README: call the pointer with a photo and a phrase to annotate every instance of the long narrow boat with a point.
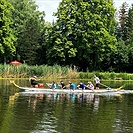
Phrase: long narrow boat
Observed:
(66, 90)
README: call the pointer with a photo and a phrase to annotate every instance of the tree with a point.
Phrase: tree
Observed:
(123, 15)
(7, 37)
(121, 59)
(28, 24)
(130, 25)
(83, 34)
(129, 40)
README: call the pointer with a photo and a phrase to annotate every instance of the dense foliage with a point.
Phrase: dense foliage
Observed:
(85, 34)
(7, 36)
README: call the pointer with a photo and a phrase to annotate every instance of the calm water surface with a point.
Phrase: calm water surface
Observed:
(23, 112)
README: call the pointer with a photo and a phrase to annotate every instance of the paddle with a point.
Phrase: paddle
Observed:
(119, 88)
(105, 86)
(49, 85)
(110, 88)
(41, 78)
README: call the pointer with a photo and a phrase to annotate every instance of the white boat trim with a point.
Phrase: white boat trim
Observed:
(66, 90)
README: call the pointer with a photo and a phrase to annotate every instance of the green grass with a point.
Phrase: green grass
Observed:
(56, 71)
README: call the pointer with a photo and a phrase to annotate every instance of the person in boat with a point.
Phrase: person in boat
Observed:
(97, 82)
(90, 86)
(62, 85)
(82, 86)
(72, 86)
(54, 85)
(33, 81)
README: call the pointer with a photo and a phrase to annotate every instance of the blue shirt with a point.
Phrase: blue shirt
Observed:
(72, 86)
(54, 86)
(82, 86)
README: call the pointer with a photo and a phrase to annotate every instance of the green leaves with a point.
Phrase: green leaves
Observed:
(7, 37)
(83, 35)
(28, 25)
(86, 32)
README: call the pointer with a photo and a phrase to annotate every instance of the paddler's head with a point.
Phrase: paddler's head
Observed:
(35, 77)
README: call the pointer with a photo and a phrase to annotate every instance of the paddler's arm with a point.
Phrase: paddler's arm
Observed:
(49, 85)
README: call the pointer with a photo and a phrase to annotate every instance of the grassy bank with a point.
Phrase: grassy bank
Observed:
(44, 71)
(51, 72)
(106, 75)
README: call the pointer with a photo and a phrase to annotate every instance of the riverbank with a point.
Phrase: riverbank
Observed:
(57, 72)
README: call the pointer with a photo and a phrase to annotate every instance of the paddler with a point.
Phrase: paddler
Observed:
(90, 86)
(72, 86)
(62, 85)
(54, 85)
(82, 86)
(97, 82)
(33, 81)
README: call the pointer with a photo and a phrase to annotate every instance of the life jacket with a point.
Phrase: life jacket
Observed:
(73, 86)
(54, 86)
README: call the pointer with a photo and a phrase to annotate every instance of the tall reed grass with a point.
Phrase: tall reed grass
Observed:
(42, 71)
(56, 71)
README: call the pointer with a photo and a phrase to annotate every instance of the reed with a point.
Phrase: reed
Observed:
(45, 71)
(57, 72)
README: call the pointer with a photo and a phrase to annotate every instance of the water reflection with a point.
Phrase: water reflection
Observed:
(59, 112)
(30, 112)
(96, 102)
(13, 98)
(34, 98)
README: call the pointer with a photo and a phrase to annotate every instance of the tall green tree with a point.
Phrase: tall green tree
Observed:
(129, 40)
(44, 41)
(129, 23)
(7, 37)
(124, 33)
(121, 57)
(83, 34)
(122, 27)
(28, 24)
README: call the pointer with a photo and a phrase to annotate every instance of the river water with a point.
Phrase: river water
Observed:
(24, 112)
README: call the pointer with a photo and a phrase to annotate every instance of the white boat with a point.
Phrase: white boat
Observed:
(66, 90)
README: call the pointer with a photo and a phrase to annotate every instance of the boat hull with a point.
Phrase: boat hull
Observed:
(67, 90)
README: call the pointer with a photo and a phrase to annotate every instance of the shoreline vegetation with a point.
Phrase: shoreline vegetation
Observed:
(57, 72)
